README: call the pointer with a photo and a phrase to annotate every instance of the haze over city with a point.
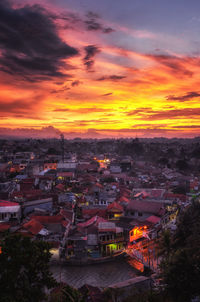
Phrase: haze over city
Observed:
(99, 68)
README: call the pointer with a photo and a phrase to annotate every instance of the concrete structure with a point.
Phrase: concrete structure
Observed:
(9, 210)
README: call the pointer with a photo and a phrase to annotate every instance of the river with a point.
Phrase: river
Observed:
(101, 275)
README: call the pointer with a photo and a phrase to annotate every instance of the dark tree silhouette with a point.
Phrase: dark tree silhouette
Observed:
(180, 267)
(24, 273)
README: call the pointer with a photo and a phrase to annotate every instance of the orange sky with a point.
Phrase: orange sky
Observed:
(106, 90)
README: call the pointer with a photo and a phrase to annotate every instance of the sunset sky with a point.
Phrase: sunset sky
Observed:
(100, 68)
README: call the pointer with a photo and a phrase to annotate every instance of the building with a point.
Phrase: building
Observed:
(9, 210)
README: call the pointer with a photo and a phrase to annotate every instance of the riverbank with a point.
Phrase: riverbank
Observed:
(98, 274)
(86, 261)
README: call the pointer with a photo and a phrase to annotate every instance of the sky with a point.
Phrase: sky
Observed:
(91, 68)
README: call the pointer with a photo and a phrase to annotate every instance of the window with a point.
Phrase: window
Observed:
(140, 214)
(132, 213)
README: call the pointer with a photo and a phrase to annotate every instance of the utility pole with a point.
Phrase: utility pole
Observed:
(62, 141)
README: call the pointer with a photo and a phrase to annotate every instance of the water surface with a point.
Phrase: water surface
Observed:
(101, 275)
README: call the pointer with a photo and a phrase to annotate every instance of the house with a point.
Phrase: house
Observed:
(76, 244)
(125, 165)
(67, 166)
(114, 211)
(142, 209)
(9, 210)
(45, 203)
(115, 168)
(94, 238)
(138, 232)
(26, 184)
(49, 166)
(33, 227)
(110, 238)
(55, 224)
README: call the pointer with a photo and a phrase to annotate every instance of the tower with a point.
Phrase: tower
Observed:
(62, 142)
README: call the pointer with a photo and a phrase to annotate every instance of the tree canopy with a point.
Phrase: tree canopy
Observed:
(180, 267)
(24, 273)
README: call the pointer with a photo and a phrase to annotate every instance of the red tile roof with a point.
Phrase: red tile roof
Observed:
(60, 187)
(153, 219)
(4, 227)
(115, 206)
(65, 174)
(124, 199)
(5, 203)
(33, 226)
(94, 220)
(48, 219)
(98, 185)
(93, 212)
(172, 196)
(145, 206)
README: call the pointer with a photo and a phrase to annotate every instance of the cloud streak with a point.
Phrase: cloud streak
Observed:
(153, 115)
(113, 78)
(184, 98)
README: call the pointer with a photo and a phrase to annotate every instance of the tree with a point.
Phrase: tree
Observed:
(24, 273)
(165, 244)
(182, 164)
(66, 293)
(180, 267)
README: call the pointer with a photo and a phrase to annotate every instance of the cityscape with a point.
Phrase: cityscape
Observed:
(101, 205)
(99, 151)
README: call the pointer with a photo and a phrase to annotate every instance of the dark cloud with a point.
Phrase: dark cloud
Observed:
(21, 108)
(107, 94)
(108, 30)
(92, 15)
(30, 44)
(152, 130)
(111, 78)
(176, 113)
(149, 114)
(92, 23)
(61, 90)
(75, 83)
(141, 110)
(187, 127)
(61, 110)
(91, 51)
(183, 98)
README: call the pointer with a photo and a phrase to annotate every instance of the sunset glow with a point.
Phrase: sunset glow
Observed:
(95, 69)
